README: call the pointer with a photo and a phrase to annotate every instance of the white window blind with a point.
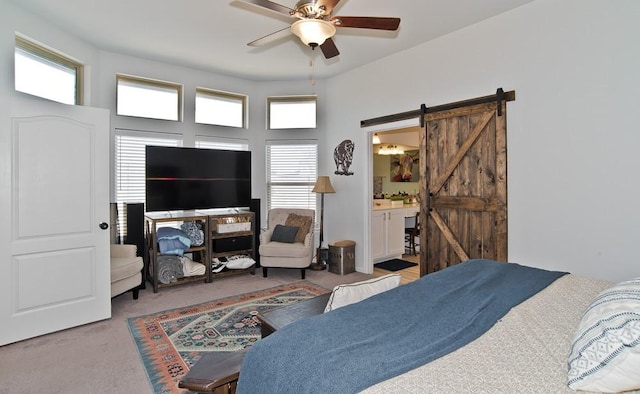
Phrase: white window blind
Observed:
(130, 166)
(206, 142)
(292, 169)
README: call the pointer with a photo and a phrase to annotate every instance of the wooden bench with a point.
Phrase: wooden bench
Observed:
(218, 372)
(215, 372)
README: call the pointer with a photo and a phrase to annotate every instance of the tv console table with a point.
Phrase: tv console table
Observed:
(226, 233)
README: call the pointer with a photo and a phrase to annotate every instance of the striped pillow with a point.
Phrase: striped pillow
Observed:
(605, 354)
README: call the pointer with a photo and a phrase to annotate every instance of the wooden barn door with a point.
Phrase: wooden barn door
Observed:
(464, 187)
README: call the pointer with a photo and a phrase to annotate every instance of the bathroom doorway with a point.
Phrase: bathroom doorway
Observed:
(394, 170)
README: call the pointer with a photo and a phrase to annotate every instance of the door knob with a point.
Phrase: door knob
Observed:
(103, 225)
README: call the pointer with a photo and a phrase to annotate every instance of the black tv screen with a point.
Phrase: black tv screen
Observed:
(192, 178)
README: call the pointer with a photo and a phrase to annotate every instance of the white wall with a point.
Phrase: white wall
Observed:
(102, 67)
(573, 186)
(573, 140)
(14, 20)
(112, 63)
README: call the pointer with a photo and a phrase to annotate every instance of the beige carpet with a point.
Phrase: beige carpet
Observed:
(102, 358)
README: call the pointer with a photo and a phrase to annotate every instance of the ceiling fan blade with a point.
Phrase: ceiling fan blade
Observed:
(270, 5)
(329, 48)
(329, 5)
(270, 37)
(367, 22)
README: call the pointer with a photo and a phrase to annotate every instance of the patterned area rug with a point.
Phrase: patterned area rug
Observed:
(170, 342)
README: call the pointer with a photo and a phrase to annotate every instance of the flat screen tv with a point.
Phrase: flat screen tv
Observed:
(192, 178)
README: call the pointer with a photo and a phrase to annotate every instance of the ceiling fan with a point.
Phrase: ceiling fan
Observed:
(315, 26)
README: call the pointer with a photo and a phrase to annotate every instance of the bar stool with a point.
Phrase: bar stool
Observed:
(411, 233)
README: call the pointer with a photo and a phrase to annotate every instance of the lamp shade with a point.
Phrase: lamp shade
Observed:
(323, 185)
(313, 31)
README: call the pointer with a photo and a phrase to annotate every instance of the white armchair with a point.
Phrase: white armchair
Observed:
(297, 254)
(126, 270)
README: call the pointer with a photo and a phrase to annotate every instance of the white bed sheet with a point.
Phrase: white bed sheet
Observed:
(525, 352)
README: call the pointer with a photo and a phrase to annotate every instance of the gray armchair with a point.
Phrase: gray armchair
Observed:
(297, 254)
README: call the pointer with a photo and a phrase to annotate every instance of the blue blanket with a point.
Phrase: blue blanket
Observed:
(359, 345)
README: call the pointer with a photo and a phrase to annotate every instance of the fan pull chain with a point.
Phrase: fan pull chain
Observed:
(313, 72)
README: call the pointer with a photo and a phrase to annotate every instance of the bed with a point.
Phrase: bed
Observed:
(480, 326)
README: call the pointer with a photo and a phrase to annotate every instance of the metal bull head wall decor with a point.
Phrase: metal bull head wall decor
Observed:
(343, 157)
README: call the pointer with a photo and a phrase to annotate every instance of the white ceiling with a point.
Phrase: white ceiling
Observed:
(212, 34)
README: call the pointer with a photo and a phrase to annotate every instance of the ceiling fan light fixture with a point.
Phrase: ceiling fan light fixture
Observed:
(313, 32)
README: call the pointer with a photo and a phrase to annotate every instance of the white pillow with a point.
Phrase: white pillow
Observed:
(346, 294)
(240, 262)
(605, 354)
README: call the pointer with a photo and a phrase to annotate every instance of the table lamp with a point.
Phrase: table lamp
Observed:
(322, 186)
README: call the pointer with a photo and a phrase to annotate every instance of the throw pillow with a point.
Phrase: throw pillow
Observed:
(605, 354)
(343, 295)
(302, 222)
(239, 262)
(284, 234)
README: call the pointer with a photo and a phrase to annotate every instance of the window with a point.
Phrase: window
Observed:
(44, 73)
(220, 108)
(148, 98)
(130, 166)
(291, 112)
(221, 143)
(292, 169)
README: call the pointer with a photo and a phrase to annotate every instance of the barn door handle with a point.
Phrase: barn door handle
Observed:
(103, 225)
(429, 195)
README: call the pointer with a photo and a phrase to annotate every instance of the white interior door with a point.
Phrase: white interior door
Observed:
(54, 253)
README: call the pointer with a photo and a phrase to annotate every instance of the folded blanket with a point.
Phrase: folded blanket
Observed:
(356, 346)
(195, 234)
(169, 269)
(192, 268)
(172, 241)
